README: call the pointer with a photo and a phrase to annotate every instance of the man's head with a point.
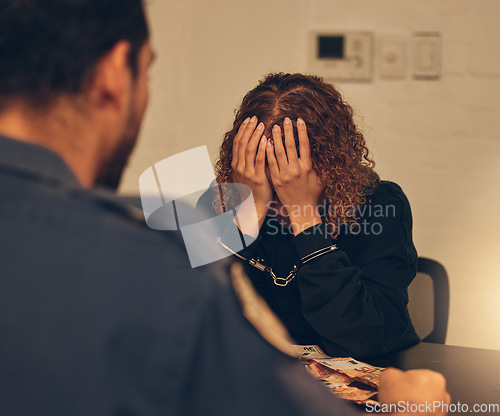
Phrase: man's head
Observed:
(91, 55)
(51, 47)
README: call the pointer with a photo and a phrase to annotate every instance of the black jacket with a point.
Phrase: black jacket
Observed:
(352, 301)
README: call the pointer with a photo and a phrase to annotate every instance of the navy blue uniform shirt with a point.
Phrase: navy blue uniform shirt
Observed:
(101, 316)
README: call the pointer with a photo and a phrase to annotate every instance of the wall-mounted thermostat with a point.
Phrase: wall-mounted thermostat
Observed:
(343, 56)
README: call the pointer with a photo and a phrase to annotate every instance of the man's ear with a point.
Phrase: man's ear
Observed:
(112, 80)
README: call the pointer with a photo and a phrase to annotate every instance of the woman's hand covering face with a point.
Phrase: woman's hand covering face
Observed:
(248, 164)
(294, 180)
(296, 184)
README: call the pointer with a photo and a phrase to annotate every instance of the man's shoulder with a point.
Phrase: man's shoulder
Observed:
(96, 242)
(67, 217)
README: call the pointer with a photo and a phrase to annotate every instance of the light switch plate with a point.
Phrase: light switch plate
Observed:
(426, 55)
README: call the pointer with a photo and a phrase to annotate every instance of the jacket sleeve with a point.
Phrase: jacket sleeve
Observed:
(235, 371)
(357, 302)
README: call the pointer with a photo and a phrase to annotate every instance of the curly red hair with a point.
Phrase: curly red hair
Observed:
(338, 149)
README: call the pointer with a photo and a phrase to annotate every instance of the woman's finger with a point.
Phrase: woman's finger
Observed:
(291, 150)
(271, 160)
(260, 159)
(236, 142)
(304, 146)
(245, 138)
(279, 150)
(252, 146)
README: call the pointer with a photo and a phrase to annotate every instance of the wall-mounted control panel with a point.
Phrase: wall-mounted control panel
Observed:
(341, 55)
(349, 55)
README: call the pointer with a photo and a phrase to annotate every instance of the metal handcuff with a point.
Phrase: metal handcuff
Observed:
(281, 281)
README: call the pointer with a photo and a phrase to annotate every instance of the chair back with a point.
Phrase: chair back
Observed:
(429, 300)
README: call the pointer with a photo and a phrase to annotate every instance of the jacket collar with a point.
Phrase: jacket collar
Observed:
(36, 161)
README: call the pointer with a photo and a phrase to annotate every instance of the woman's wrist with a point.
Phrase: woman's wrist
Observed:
(250, 218)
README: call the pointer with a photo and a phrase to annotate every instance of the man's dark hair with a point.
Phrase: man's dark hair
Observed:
(51, 47)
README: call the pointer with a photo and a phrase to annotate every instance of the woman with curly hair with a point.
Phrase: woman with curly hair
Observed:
(333, 254)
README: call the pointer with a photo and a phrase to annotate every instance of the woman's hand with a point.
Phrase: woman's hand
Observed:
(248, 165)
(295, 182)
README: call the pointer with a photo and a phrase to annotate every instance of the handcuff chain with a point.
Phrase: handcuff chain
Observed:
(281, 281)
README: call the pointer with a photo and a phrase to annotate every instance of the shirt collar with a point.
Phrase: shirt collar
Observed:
(35, 160)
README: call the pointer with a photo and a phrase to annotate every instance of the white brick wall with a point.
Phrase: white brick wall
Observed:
(438, 139)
